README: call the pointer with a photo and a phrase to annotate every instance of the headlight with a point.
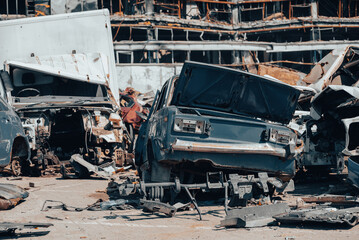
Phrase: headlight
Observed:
(189, 126)
(283, 137)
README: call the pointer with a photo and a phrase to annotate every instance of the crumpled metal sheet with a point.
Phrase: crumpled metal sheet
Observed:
(156, 206)
(254, 216)
(321, 214)
(10, 191)
(324, 72)
(11, 227)
(11, 195)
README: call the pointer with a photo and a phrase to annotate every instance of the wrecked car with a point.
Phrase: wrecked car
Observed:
(63, 92)
(327, 124)
(329, 130)
(211, 119)
(63, 113)
(14, 145)
(335, 120)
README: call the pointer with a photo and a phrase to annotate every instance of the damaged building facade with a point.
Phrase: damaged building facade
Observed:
(153, 38)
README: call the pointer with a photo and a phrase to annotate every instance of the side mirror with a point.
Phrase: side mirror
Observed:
(6, 80)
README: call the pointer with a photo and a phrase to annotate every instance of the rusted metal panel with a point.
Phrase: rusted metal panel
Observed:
(286, 75)
(333, 69)
(11, 195)
(338, 199)
(11, 191)
(42, 7)
(323, 67)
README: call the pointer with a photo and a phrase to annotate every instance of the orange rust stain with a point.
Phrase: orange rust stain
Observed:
(285, 75)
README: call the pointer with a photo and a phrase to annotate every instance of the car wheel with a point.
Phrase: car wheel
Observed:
(16, 166)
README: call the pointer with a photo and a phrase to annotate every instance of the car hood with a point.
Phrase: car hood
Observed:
(229, 90)
(90, 68)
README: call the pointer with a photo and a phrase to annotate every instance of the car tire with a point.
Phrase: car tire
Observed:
(16, 166)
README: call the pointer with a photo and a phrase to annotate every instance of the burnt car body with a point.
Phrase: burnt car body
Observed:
(335, 113)
(67, 112)
(63, 92)
(212, 118)
(329, 126)
(14, 146)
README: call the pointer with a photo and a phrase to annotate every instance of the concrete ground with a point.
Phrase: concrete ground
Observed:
(135, 224)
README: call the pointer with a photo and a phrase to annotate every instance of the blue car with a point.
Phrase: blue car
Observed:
(14, 145)
(212, 118)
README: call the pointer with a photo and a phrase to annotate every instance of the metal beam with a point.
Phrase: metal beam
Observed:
(230, 46)
(188, 46)
(310, 46)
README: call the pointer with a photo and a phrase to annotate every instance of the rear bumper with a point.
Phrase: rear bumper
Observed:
(255, 148)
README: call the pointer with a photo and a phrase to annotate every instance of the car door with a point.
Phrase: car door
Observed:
(5, 127)
(141, 142)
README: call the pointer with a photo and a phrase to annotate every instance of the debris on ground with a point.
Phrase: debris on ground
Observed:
(11, 195)
(241, 135)
(157, 206)
(10, 228)
(83, 168)
(333, 199)
(99, 205)
(257, 216)
(321, 214)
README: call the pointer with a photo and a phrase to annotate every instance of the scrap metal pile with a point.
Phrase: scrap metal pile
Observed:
(215, 129)
(240, 135)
